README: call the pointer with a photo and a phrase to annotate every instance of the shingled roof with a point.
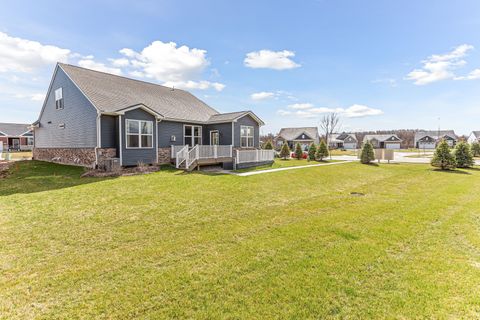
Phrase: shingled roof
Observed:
(435, 134)
(290, 134)
(112, 93)
(14, 129)
(380, 137)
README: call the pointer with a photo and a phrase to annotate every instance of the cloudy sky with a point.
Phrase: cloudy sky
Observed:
(380, 64)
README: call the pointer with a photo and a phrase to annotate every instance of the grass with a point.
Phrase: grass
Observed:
(281, 163)
(339, 152)
(19, 155)
(292, 244)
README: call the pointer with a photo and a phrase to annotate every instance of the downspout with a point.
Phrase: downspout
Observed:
(99, 137)
(120, 143)
(156, 136)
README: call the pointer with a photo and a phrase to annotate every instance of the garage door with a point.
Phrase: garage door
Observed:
(350, 146)
(426, 145)
(392, 146)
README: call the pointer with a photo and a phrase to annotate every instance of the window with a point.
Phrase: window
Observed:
(192, 135)
(139, 134)
(30, 141)
(214, 137)
(246, 137)
(59, 99)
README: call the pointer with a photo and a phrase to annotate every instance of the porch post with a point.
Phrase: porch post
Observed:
(215, 154)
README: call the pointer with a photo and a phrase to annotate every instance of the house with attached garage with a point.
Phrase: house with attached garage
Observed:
(90, 117)
(305, 136)
(383, 141)
(16, 137)
(345, 141)
(430, 139)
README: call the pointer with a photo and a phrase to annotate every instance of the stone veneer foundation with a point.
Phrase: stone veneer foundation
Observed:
(77, 156)
(164, 155)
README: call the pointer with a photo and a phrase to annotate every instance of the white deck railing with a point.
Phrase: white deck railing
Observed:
(207, 152)
(244, 156)
(193, 155)
(181, 156)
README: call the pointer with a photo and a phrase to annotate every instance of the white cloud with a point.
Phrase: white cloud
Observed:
(308, 110)
(301, 106)
(358, 111)
(473, 75)
(202, 85)
(169, 64)
(31, 96)
(262, 95)
(440, 67)
(21, 55)
(266, 59)
(389, 81)
(91, 64)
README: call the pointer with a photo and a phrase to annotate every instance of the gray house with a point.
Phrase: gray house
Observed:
(16, 136)
(430, 139)
(346, 141)
(302, 135)
(89, 116)
(383, 141)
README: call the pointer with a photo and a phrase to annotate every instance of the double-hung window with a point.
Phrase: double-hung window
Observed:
(192, 135)
(246, 136)
(59, 99)
(139, 133)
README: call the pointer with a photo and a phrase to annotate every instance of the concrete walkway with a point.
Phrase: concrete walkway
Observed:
(251, 173)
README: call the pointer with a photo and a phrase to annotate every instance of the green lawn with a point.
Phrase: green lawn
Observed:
(281, 163)
(293, 244)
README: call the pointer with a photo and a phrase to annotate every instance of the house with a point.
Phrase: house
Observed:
(16, 136)
(305, 136)
(89, 117)
(474, 137)
(383, 141)
(430, 139)
(347, 141)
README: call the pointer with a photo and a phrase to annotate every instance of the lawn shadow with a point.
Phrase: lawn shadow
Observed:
(32, 176)
(451, 171)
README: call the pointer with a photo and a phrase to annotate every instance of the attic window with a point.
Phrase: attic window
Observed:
(59, 99)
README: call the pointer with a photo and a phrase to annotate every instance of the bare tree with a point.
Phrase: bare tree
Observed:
(329, 124)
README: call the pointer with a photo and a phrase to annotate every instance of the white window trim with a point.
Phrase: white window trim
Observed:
(61, 98)
(247, 136)
(192, 136)
(139, 134)
(211, 131)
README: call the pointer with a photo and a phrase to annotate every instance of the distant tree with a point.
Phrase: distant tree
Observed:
(329, 124)
(285, 151)
(443, 158)
(476, 149)
(463, 155)
(367, 155)
(322, 151)
(311, 151)
(268, 145)
(298, 151)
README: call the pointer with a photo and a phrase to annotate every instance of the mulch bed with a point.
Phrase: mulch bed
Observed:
(4, 167)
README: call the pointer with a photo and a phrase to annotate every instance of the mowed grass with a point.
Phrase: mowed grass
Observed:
(293, 244)
(284, 163)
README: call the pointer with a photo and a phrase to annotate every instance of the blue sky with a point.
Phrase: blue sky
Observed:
(380, 64)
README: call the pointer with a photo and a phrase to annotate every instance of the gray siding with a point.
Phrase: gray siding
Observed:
(167, 129)
(109, 131)
(78, 115)
(225, 130)
(131, 157)
(247, 121)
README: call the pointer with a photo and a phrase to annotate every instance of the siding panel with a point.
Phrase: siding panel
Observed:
(78, 115)
(109, 131)
(131, 157)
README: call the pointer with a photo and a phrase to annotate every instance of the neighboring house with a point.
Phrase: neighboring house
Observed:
(383, 141)
(430, 139)
(304, 136)
(16, 136)
(347, 141)
(89, 116)
(474, 137)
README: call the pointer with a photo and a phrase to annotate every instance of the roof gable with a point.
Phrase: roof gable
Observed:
(14, 129)
(303, 136)
(292, 133)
